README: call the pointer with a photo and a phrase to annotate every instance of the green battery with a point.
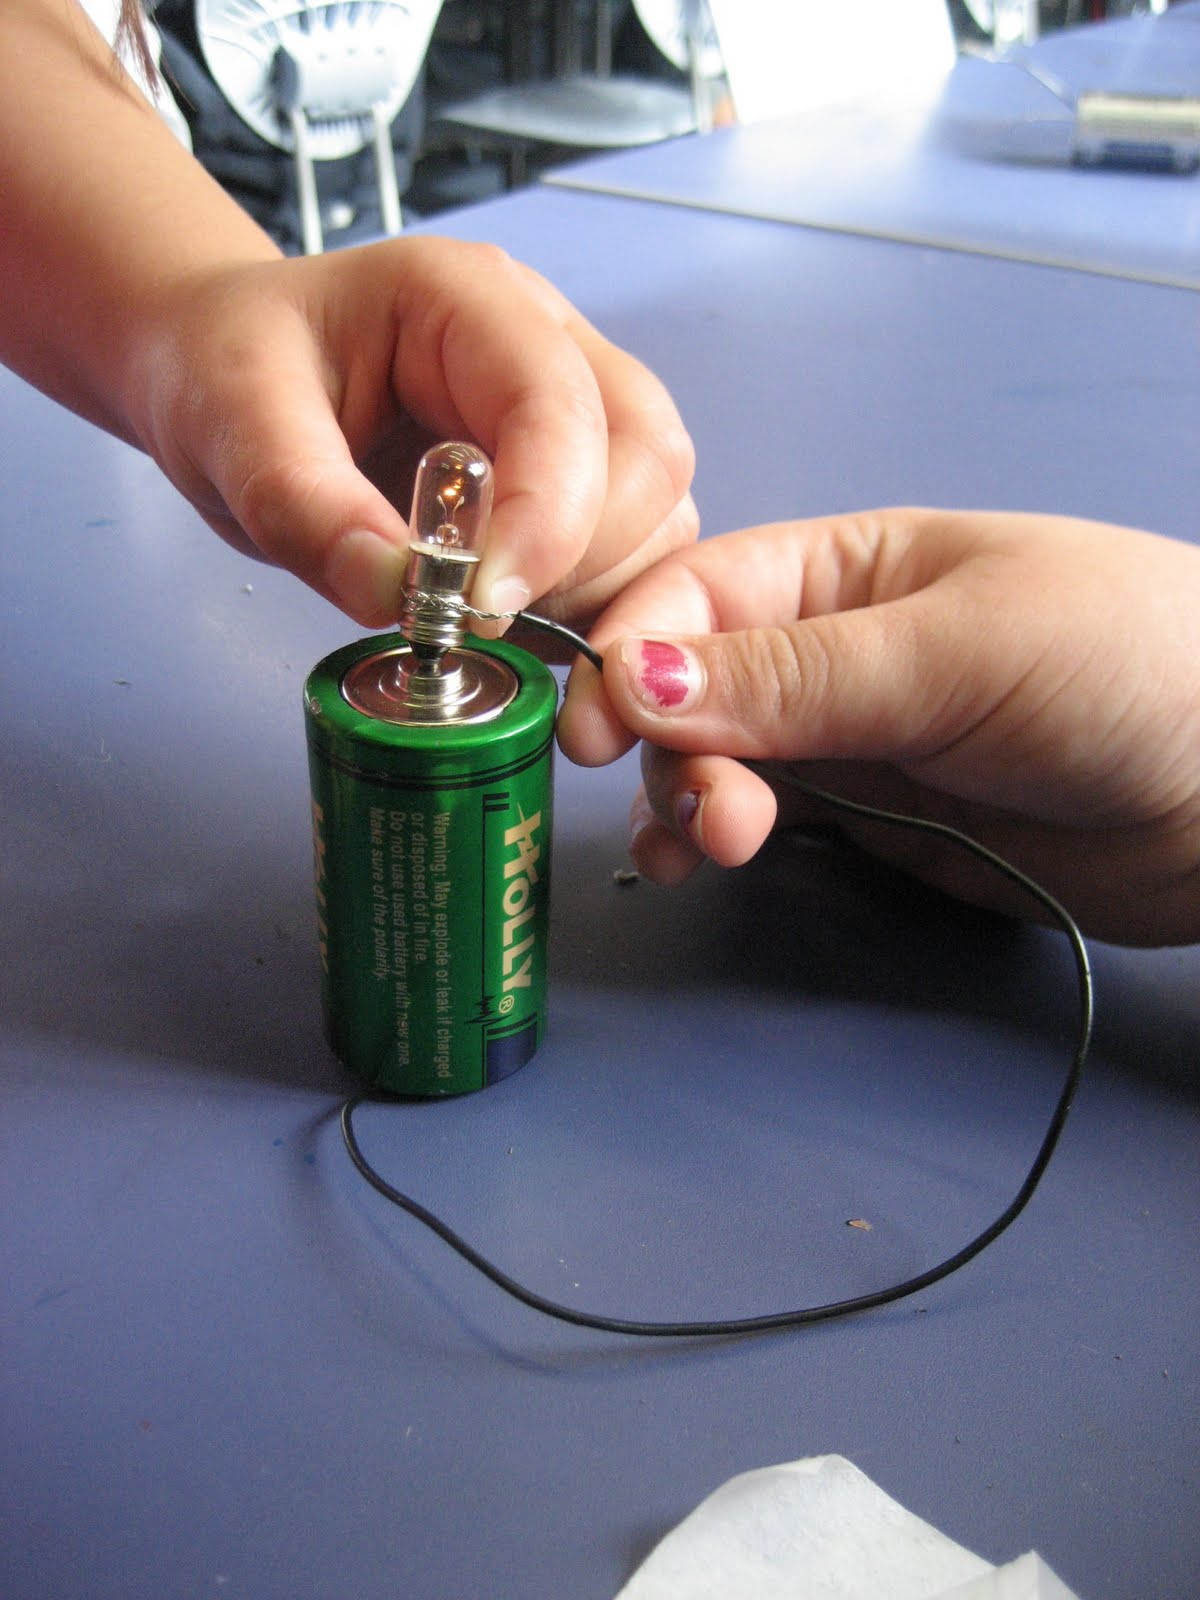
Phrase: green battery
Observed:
(430, 761)
(431, 830)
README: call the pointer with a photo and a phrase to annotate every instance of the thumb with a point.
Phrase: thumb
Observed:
(869, 684)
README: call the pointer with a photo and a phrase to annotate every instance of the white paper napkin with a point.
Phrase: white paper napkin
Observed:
(819, 1529)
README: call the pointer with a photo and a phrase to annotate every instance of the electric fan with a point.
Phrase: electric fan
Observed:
(320, 80)
(683, 31)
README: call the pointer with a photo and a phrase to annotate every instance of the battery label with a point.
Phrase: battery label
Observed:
(439, 899)
(520, 901)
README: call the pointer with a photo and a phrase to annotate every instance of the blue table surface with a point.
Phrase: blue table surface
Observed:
(983, 168)
(230, 1369)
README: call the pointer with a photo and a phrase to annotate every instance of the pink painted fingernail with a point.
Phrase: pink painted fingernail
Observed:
(664, 676)
(687, 814)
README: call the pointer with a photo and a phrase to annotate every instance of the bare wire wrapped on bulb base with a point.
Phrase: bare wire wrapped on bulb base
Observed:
(436, 585)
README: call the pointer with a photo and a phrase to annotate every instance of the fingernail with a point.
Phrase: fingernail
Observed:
(663, 676)
(366, 575)
(506, 596)
(687, 815)
(640, 816)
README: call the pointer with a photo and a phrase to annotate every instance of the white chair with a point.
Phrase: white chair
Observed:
(590, 107)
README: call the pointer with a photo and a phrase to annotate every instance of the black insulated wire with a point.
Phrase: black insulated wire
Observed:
(731, 1326)
(560, 631)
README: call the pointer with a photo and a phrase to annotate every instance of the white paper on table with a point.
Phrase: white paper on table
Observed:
(819, 1529)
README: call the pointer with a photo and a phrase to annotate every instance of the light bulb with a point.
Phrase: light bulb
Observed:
(452, 502)
(452, 498)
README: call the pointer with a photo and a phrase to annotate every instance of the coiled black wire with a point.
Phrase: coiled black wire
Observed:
(730, 1326)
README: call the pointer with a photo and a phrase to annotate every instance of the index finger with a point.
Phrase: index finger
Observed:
(481, 351)
(578, 514)
(648, 511)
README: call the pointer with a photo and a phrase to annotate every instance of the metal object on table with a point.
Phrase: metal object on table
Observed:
(1151, 132)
